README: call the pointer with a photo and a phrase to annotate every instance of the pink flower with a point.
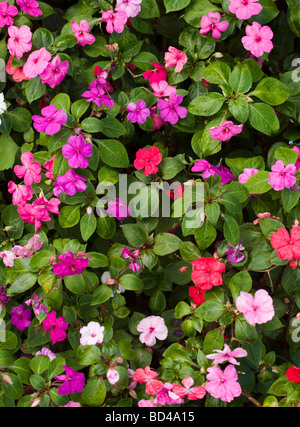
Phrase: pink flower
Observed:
(72, 404)
(46, 352)
(8, 258)
(187, 389)
(19, 40)
(166, 396)
(115, 21)
(170, 111)
(155, 76)
(55, 72)
(138, 113)
(162, 89)
(33, 245)
(175, 57)
(21, 194)
(227, 355)
(258, 39)
(82, 33)
(112, 375)
(30, 171)
(144, 403)
(70, 183)
(223, 384)
(226, 131)
(148, 376)
(131, 7)
(39, 211)
(157, 120)
(244, 9)
(282, 176)
(207, 168)
(49, 167)
(37, 305)
(77, 151)
(73, 382)
(118, 209)
(98, 96)
(152, 328)
(258, 309)
(20, 317)
(68, 265)
(36, 63)
(31, 7)
(51, 120)
(247, 173)
(126, 254)
(56, 326)
(91, 334)
(211, 22)
(264, 215)
(7, 13)
(297, 150)
(148, 159)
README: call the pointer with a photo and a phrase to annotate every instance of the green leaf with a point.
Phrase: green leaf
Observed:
(207, 105)
(78, 108)
(174, 5)
(231, 230)
(8, 149)
(218, 73)
(20, 119)
(287, 155)
(165, 244)
(294, 16)
(182, 309)
(113, 153)
(94, 392)
(75, 284)
(62, 101)
(12, 389)
(22, 283)
(42, 38)
(258, 183)
(171, 166)
(88, 225)
(149, 9)
(34, 89)
(135, 234)
(240, 79)
(239, 108)
(240, 282)
(263, 118)
(197, 9)
(131, 282)
(243, 331)
(205, 235)
(101, 295)
(210, 310)
(39, 364)
(69, 216)
(157, 302)
(271, 91)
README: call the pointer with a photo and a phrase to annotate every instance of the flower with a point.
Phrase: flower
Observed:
(36, 63)
(197, 295)
(282, 176)
(211, 22)
(293, 374)
(187, 389)
(91, 334)
(8, 258)
(155, 76)
(3, 298)
(72, 404)
(70, 183)
(244, 9)
(56, 326)
(207, 168)
(31, 7)
(19, 40)
(144, 403)
(3, 106)
(49, 167)
(7, 14)
(134, 266)
(152, 328)
(16, 72)
(175, 57)
(225, 173)
(46, 352)
(77, 151)
(297, 150)
(264, 215)
(115, 21)
(73, 381)
(258, 39)
(82, 33)
(171, 111)
(247, 173)
(30, 171)
(51, 120)
(166, 396)
(37, 212)
(98, 96)
(112, 375)
(131, 7)
(21, 194)
(235, 254)
(21, 317)
(148, 159)
(68, 265)
(207, 272)
(147, 376)
(138, 113)
(226, 131)
(223, 384)
(118, 209)
(286, 244)
(162, 89)
(258, 309)
(55, 72)
(37, 305)
(227, 355)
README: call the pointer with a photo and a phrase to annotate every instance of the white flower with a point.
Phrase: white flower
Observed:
(91, 334)
(3, 106)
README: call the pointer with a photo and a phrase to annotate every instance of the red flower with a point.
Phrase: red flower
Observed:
(287, 246)
(197, 295)
(16, 72)
(155, 76)
(207, 273)
(293, 374)
(148, 160)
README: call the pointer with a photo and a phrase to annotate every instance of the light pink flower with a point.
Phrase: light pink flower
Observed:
(247, 173)
(8, 258)
(21, 194)
(244, 9)
(36, 63)
(7, 13)
(30, 171)
(131, 7)
(152, 328)
(51, 120)
(91, 334)
(258, 39)
(226, 131)
(282, 176)
(211, 22)
(19, 40)
(144, 403)
(162, 89)
(112, 375)
(166, 396)
(258, 309)
(223, 384)
(31, 7)
(115, 21)
(175, 57)
(33, 245)
(55, 72)
(227, 355)
(82, 33)
(46, 352)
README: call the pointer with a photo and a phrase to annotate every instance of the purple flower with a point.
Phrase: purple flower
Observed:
(76, 151)
(205, 167)
(170, 111)
(138, 113)
(126, 254)
(51, 121)
(236, 253)
(73, 381)
(225, 173)
(70, 183)
(3, 298)
(68, 265)
(98, 96)
(20, 317)
(118, 209)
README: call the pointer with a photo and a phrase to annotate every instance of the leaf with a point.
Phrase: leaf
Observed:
(8, 149)
(131, 282)
(149, 9)
(135, 234)
(271, 91)
(240, 79)
(69, 216)
(197, 9)
(263, 118)
(165, 244)
(205, 235)
(240, 282)
(258, 183)
(62, 101)
(287, 155)
(210, 310)
(20, 119)
(42, 38)
(88, 225)
(34, 89)
(231, 230)
(94, 392)
(174, 5)
(207, 105)
(239, 108)
(113, 153)
(22, 283)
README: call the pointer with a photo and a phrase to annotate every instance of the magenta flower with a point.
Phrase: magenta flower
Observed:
(162, 89)
(51, 120)
(82, 33)
(247, 173)
(56, 326)
(211, 22)
(131, 7)
(175, 57)
(77, 151)
(68, 265)
(30, 171)
(21, 194)
(235, 254)
(55, 72)
(282, 176)
(19, 40)
(118, 209)
(225, 173)
(205, 167)
(36, 63)
(297, 150)
(223, 384)
(7, 14)
(98, 95)
(152, 328)
(226, 131)
(39, 211)
(133, 257)
(258, 39)
(70, 183)
(227, 355)
(170, 111)
(3, 298)
(244, 9)
(21, 317)
(258, 309)
(115, 21)
(31, 7)
(73, 381)
(138, 113)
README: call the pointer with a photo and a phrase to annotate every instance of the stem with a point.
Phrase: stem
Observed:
(252, 400)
